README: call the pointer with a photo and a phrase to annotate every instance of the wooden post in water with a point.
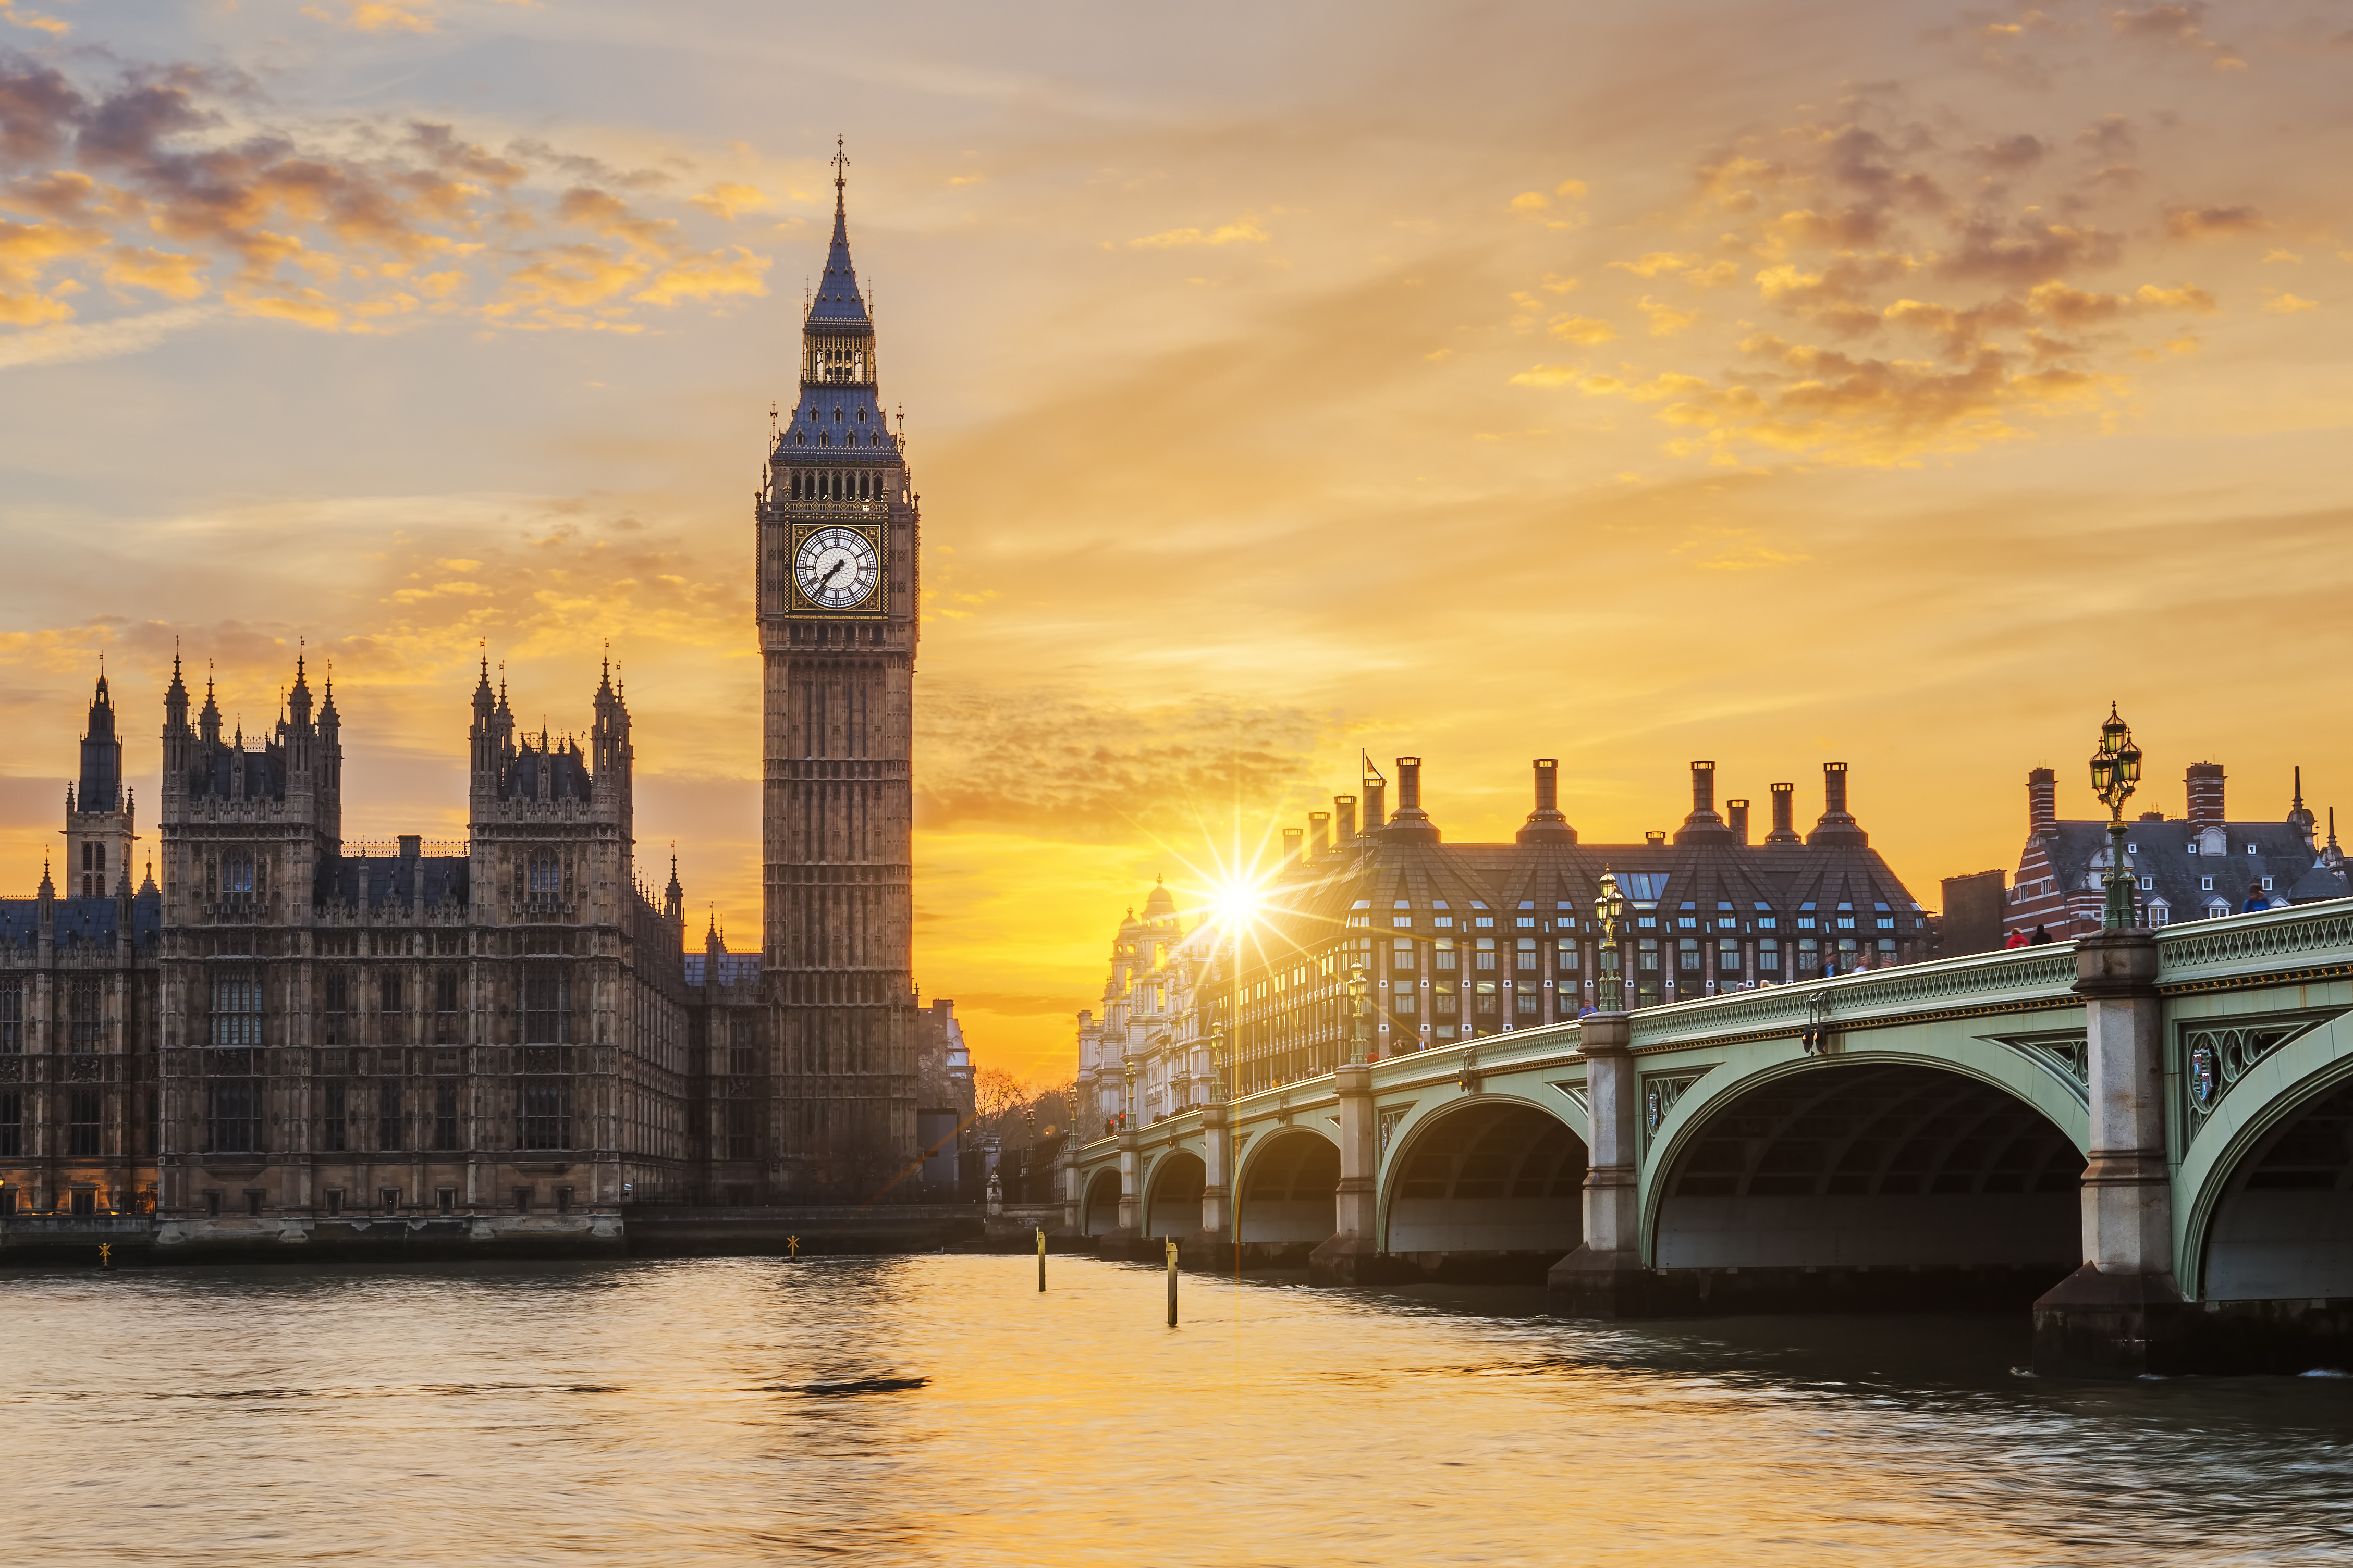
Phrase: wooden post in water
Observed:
(1041, 1257)
(1172, 1282)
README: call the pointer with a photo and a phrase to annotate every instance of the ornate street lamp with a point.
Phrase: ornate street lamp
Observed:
(1359, 988)
(1608, 906)
(2115, 769)
(1218, 1063)
(1127, 1107)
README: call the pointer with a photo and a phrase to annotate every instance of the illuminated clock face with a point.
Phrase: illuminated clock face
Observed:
(836, 568)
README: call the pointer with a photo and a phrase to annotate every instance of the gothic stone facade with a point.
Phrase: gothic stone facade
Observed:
(294, 1037)
(2200, 866)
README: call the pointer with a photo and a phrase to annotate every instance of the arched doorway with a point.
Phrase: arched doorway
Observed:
(1888, 1166)
(1492, 1176)
(1173, 1196)
(2283, 1225)
(1287, 1190)
(1099, 1215)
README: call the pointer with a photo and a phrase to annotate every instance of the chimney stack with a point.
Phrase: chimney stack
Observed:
(2042, 802)
(1345, 805)
(1739, 811)
(1319, 833)
(1703, 823)
(1837, 824)
(2205, 788)
(1409, 821)
(1785, 816)
(1291, 837)
(1545, 822)
(1375, 797)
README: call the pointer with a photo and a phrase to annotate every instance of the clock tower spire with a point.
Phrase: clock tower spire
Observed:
(837, 526)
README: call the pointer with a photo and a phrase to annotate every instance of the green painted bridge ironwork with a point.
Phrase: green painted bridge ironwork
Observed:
(2147, 1134)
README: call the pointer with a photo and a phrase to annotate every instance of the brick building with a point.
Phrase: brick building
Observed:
(2200, 866)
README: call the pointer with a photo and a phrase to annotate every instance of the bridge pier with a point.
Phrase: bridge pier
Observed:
(1217, 1182)
(1604, 1278)
(1352, 1255)
(1131, 1193)
(2122, 1313)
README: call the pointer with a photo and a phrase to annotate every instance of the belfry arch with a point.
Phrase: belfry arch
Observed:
(1491, 1176)
(1893, 1166)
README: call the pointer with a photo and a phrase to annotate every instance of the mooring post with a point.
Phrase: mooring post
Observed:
(1041, 1257)
(1172, 1282)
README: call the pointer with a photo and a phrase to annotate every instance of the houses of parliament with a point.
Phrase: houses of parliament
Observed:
(280, 1034)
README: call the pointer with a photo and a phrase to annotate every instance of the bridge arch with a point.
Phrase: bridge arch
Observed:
(2270, 1179)
(1868, 1160)
(1099, 1212)
(1288, 1178)
(1172, 1193)
(1484, 1173)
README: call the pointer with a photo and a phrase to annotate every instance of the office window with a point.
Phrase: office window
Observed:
(1526, 953)
(1485, 956)
(1768, 956)
(1568, 956)
(1646, 954)
(1687, 953)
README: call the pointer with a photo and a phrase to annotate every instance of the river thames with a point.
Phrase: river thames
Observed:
(938, 1410)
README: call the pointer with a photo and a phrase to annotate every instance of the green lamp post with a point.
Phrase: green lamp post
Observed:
(2115, 769)
(1608, 906)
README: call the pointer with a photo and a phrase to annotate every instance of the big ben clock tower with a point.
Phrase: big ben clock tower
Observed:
(836, 611)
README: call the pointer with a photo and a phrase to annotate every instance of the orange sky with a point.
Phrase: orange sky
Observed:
(1625, 383)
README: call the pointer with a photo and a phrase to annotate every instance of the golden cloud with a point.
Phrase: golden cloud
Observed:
(165, 272)
(1244, 229)
(2207, 223)
(730, 200)
(1579, 329)
(733, 270)
(16, 16)
(308, 220)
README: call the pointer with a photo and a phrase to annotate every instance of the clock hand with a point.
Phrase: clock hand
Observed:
(826, 581)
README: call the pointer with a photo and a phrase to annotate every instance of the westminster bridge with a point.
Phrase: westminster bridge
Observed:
(2148, 1136)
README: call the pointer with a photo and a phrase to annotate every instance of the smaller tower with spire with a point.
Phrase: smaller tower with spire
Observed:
(99, 828)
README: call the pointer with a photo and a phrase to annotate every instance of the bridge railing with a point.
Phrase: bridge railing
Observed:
(2196, 955)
